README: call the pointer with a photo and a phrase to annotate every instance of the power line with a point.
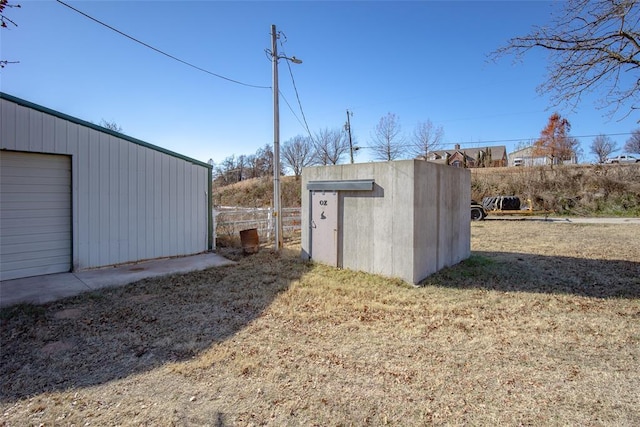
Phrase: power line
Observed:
(270, 55)
(291, 108)
(295, 88)
(305, 125)
(158, 50)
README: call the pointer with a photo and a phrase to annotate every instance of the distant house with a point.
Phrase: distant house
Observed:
(495, 156)
(527, 157)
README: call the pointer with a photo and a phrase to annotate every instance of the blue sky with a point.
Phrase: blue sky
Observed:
(419, 60)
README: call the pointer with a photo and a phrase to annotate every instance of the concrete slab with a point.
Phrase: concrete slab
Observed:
(44, 289)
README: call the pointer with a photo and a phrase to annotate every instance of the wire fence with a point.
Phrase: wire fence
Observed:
(229, 221)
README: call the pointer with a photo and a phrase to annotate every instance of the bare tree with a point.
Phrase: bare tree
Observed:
(252, 166)
(264, 161)
(241, 167)
(297, 153)
(426, 139)
(234, 169)
(330, 145)
(633, 144)
(387, 142)
(5, 21)
(226, 172)
(602, 146)
(593, 45)
(111, 125)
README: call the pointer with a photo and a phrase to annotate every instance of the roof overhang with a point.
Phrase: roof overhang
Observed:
(341, 185)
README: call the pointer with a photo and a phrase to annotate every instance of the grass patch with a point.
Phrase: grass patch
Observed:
(476, 267)
(29, 312)
(541, 326)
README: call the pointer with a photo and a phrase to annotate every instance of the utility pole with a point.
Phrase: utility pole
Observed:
(277, 220)
(348, 128)
(277, 208)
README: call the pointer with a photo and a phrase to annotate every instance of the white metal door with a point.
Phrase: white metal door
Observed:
(35, 214)
(324, 227)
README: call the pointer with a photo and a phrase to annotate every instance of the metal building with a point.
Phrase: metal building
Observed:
(75, 196)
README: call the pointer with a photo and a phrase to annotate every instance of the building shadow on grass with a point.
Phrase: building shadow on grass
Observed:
(518, 272)
(113, 333)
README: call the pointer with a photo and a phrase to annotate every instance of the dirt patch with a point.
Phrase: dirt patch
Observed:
(539, 327)
(52, 348)
(144, 298)
(69, 313)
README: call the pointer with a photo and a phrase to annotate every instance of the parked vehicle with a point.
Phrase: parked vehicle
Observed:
(477, 211)
(623, 158)
(503, 206)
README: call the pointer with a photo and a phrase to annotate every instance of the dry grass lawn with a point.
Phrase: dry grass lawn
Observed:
(541, 326)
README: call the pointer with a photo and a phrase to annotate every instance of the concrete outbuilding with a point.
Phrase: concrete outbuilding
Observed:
(405, 219)
(75, 196)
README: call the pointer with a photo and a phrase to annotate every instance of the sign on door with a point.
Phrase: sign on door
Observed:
(324, 227)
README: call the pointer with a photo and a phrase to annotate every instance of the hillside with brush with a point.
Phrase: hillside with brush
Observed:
(258, 193)
(581, 190)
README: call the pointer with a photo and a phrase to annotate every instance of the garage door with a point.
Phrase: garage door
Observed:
(35, 214)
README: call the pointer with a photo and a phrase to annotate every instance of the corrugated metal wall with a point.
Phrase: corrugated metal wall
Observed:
(130, 201)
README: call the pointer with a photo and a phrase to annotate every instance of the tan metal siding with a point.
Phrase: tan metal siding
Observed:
(8, 126)
(35, 214)
(130, 202)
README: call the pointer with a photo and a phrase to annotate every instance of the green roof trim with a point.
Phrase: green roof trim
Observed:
(100, 129)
